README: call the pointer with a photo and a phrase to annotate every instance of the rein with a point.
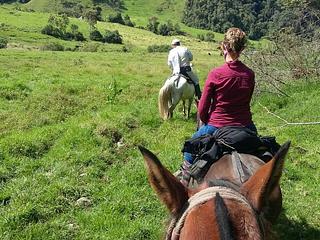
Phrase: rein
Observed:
(176, 224)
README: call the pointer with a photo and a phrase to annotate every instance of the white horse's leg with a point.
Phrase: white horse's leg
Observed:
(174, 102)
(171, 109)
(189, 107)
(184, 107)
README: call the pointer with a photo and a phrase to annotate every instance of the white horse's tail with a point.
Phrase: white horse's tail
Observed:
(163, 101)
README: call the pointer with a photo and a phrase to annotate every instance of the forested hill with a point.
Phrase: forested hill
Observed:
(256, 17)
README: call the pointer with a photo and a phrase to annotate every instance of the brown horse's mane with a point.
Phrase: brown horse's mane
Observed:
(224, 224)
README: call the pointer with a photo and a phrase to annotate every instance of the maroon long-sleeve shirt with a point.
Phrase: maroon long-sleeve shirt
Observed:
(226, 97)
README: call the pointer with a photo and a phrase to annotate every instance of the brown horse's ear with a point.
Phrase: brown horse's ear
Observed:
(263, 182)
(171, 192)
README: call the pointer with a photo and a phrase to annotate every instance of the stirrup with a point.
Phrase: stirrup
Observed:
(183, 175)
(185, 179)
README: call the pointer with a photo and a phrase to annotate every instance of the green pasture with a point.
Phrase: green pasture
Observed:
(139, 10)
(71, 123)
(165, 10)
(23, 30)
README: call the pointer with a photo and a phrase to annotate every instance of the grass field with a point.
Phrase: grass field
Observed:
(140, 10)
(71, 123)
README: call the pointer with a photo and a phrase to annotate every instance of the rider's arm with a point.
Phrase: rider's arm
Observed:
(206, 98)
(190, 56)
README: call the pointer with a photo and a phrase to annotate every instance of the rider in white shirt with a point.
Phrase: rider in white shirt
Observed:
(179, 61)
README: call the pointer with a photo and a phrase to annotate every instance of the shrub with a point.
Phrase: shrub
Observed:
(79, 37)
(52, 47)
(113, 37)
(75, 34)
(116, 18)
(127, 21)
(287, 57)
(52, 31)
(153, 24)
(95, 35)
(165, 29)
(57, 28)
(159, 48)
(208, 37)
(90, 47)
(3, 42)
(200, 37)
(113, 91)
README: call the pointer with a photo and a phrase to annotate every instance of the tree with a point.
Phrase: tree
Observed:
(57, 27)
(127, 21)
(92, 17)
(59, 21)
(301, 18)
(219, 15)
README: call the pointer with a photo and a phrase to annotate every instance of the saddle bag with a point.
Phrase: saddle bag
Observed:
(209, 148)
(238, 138)
(197, 146)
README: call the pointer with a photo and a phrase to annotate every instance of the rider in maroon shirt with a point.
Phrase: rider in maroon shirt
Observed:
(226, 96)
(225, 100)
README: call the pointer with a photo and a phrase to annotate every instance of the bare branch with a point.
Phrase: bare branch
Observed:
(285, 121)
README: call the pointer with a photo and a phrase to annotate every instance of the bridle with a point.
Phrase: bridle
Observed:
(177, 222)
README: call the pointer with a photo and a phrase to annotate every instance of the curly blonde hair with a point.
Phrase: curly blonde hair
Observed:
(235, 40)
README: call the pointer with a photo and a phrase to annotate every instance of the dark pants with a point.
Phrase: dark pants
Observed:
(187, 72)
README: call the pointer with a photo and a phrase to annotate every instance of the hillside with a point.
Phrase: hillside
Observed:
(165, 10)
(23, 29)
(138, 10)
(71, 122)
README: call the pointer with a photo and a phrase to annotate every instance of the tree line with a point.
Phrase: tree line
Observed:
(256, 17)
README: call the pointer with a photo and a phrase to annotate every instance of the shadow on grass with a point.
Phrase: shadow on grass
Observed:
(296, 230)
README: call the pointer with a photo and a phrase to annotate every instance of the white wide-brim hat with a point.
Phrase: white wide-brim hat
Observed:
(175, 41)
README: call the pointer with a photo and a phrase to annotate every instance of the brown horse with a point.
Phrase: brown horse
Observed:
(232, 203)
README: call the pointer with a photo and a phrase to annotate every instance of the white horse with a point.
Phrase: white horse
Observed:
(176, 88)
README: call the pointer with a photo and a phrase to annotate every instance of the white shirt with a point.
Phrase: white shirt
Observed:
(179, 57)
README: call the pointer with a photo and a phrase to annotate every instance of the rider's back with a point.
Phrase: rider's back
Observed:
(228, 91)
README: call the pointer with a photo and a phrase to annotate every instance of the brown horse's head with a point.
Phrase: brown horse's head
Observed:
(218, 212)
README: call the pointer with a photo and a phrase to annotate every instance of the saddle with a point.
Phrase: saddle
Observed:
(176, 79)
